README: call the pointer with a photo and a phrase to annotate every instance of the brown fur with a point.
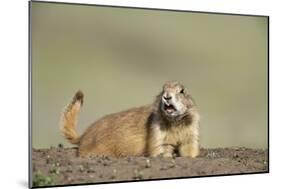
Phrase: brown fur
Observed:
(138, 131)
(69, 118)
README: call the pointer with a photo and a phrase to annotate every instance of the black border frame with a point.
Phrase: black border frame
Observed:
(142, 8)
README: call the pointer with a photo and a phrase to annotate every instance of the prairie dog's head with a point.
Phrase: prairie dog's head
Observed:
(175, 101)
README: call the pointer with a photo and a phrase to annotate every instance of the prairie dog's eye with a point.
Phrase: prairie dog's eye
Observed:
(182, 91)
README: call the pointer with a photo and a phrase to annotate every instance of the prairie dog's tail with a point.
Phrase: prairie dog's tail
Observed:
(69, 118)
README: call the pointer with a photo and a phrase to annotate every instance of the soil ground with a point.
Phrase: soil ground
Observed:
(60, 166)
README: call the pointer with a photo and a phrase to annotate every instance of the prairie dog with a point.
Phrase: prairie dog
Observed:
(169, 125)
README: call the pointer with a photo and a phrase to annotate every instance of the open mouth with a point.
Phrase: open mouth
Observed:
(169, 108)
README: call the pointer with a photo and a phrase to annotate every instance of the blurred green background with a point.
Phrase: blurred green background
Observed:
(121, 57)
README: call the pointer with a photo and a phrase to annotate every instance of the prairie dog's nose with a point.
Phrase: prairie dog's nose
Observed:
(167, 97)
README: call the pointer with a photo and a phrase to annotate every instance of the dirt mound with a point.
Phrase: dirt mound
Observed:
(60, 166)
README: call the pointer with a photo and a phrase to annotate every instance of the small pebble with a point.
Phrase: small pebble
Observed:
(147, 163)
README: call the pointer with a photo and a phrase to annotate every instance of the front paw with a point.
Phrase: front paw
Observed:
(189, 151)
(167, 155)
